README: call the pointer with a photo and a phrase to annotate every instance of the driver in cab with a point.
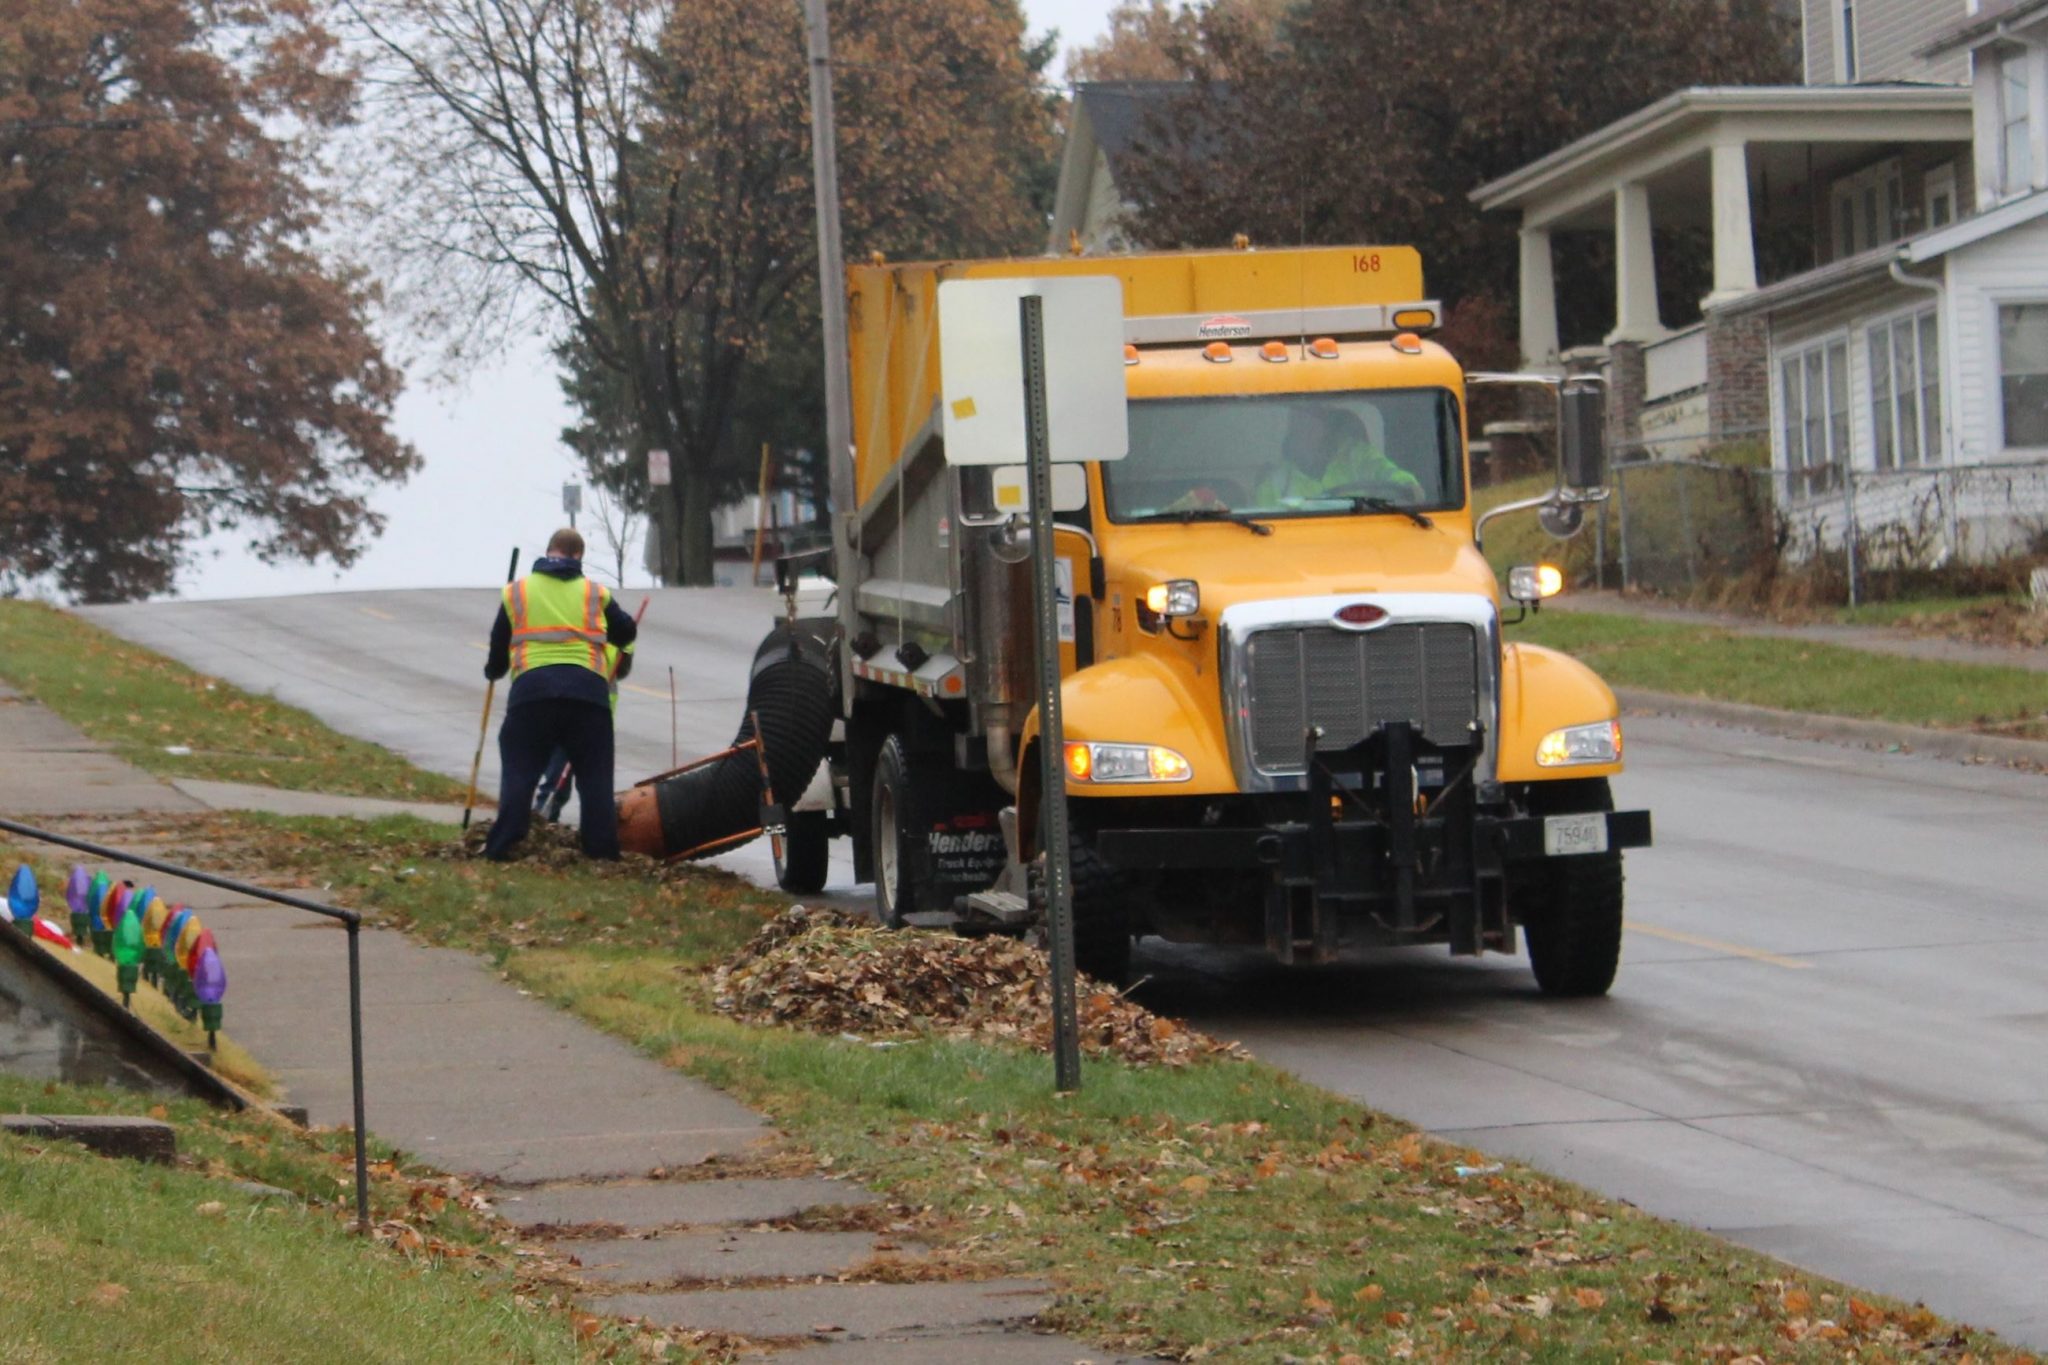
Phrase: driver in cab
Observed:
(1328, 455)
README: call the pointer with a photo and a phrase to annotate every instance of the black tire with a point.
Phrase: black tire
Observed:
(893, 826)
(1571, 908)
(1102, 917)
(806, 853)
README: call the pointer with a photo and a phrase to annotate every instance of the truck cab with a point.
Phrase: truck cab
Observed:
(1293, 716)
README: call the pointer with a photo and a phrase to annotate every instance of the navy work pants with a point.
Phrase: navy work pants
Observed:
(531, 733)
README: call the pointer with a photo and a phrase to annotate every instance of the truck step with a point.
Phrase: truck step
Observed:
(1003, 907)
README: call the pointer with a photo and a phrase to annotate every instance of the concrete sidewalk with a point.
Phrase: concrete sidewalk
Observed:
(579, 1138)
(1871, 639)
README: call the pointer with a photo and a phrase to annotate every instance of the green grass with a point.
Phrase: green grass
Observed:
(142, 706)
(1224, 1208)
(1796, 675)
(110, 1259)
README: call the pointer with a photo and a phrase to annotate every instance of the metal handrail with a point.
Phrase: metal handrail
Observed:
(352, 921)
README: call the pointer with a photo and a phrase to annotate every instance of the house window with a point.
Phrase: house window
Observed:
(1869, 208)
(1849, 41)
(1813, 413)
(1905, 391)
(1939, 191)
(2015, 117)
(2023, 373)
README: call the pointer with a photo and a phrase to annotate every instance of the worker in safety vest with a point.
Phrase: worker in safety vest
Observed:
(550, 635)
(553, 792)
(1326, 451)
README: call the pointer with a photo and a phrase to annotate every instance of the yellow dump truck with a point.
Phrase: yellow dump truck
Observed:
(1291, 718)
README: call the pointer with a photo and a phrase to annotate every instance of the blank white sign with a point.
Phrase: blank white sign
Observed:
(981, 369)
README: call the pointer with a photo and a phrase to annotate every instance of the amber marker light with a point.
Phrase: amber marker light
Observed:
(1274, 351)
(1218, 352)
(1407, 343)
(1080, 762)
(1323, 348)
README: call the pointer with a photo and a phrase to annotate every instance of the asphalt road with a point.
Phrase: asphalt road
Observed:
(1829, 1040)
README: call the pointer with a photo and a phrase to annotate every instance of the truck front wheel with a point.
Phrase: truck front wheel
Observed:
(1570, 908)
(1102, 917)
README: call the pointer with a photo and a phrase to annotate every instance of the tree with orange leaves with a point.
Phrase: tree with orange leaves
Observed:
(175, 355)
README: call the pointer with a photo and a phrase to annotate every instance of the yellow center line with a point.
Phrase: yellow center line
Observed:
(643, 691)
(380, 615)
(1716, 945)
(474, 645)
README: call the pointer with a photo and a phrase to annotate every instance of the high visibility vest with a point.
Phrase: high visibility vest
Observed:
(556, 621)
(611, 671)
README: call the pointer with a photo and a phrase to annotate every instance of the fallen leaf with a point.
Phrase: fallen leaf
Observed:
(212, 1208)
(1589, 1298)
(1369, 1293)
(108, 1294)
(1316, 1303)
(1196, 1184)
(1797, 1301)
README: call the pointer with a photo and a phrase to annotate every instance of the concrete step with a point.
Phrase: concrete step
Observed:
(120, 1135)
(839, 1312)
(644, 1205)
(987, 1348)
(724, 1254)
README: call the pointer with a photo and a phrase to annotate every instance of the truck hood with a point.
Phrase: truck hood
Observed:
(1302, 558)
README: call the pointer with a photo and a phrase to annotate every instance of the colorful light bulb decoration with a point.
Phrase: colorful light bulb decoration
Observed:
(210, 983)
(176, 985)
(24, 898)
(154, 917)
(95, 902)
(107, 916)
(76, 892)
(128, 943)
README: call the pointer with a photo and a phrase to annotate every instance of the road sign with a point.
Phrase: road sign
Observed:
(572, 498)
(981, 370)
(657, 469)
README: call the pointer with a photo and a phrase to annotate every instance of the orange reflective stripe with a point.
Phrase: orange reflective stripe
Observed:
(593, 622)
(515, 608)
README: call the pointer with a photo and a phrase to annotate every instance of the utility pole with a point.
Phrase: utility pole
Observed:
(832, 309)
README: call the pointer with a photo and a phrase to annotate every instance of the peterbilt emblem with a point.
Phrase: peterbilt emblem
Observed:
(1359, 615)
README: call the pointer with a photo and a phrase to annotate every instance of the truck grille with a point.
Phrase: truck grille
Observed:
(1352, 682)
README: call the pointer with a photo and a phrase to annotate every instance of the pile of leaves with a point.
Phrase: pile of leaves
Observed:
(834, 972)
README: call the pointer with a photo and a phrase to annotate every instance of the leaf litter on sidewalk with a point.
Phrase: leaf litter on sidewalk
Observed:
(838, 973)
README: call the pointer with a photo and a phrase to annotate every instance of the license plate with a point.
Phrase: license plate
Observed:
(1568, 834)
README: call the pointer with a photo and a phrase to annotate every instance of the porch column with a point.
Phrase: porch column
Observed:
(1734, 239)
(1635, 268)
(1539, 301)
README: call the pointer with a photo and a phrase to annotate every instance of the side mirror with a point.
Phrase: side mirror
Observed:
(1582, 435)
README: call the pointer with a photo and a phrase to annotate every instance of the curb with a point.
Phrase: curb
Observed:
(1960, 746)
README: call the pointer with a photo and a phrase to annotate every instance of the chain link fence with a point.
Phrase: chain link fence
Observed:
(1674, 525)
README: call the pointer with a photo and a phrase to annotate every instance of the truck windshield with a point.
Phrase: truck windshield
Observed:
(1294, 454)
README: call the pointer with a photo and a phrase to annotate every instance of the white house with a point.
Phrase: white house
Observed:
(1913, 375)
(1104, 125)
(1899, 370)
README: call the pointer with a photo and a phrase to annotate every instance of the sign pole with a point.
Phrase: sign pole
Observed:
(1059, 884)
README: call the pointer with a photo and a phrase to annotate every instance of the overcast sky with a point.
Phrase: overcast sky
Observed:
(494, 462)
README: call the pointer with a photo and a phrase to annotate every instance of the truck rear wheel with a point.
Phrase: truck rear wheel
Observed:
(892, 825)
(804, 853)
(1571, 908)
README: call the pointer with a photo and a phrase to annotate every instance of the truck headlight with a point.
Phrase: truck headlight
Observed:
(1599, 742)
(1176, 597)
(1530, 583)
(1087, 762)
